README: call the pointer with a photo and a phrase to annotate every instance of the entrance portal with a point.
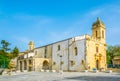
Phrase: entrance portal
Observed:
(45, 65)
(97, 64)
(30, 65)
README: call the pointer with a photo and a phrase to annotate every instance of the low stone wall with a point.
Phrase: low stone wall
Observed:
(1, 71)
(114, 69)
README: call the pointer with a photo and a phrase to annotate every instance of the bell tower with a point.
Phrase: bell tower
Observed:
(98, 30)
(30, 45)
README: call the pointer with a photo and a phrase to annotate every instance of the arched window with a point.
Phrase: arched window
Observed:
(102, 34)
(97, 49)
(58, 47)
(96, 34)
(76, 51)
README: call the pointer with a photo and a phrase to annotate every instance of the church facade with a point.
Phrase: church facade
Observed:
(73, 54)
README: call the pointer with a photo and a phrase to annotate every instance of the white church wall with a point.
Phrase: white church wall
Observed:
(77, 59)
(31, 54)
(25, 56)
(56, 55)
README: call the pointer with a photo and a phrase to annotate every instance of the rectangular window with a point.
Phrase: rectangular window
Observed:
(45, 52)
(35, 52)
(72, 63)
(58, 47)
(96, 49)
(76, 51)
(102, 34)
(96, 34)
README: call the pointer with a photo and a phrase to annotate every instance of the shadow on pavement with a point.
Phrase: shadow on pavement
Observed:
(93, 78)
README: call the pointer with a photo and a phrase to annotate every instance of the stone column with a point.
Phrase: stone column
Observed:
(18, 67)
(33, 64)
(22, 65)
(27, 64)
(32, 69)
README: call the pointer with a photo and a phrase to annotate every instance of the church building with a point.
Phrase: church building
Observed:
(73, 54)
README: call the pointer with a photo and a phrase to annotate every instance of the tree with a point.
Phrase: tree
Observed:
(4, 61)
(112, 52)
(5, 45)
(6, 54)
(15, 52)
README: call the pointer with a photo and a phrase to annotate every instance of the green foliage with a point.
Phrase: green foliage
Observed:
(5, 45)
(6, 55)
(112, 51)
(15, 52)
(4, 61)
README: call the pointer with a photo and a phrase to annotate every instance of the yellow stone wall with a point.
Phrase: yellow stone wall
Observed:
(49, 51)
(96, 46)
(91, 52)
(31, 45)
(39, 63)
(40, 52)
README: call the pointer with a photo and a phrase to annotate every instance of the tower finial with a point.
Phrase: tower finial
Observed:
(31, 45)
(98, 18)
(98, 22)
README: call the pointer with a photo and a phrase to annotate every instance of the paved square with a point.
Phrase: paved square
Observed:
(66, 76)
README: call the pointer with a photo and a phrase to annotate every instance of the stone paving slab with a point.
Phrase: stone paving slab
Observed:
(66, 76)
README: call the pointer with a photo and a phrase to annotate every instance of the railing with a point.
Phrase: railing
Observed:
(113, 66)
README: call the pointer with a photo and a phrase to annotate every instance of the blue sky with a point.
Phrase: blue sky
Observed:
(47, 21)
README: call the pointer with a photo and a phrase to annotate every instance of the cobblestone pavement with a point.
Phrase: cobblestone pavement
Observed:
(66, 76)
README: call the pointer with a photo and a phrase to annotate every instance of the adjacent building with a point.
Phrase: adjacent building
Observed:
(72, 54)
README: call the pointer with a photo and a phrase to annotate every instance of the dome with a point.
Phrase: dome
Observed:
(97, 23)
(31, 43)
